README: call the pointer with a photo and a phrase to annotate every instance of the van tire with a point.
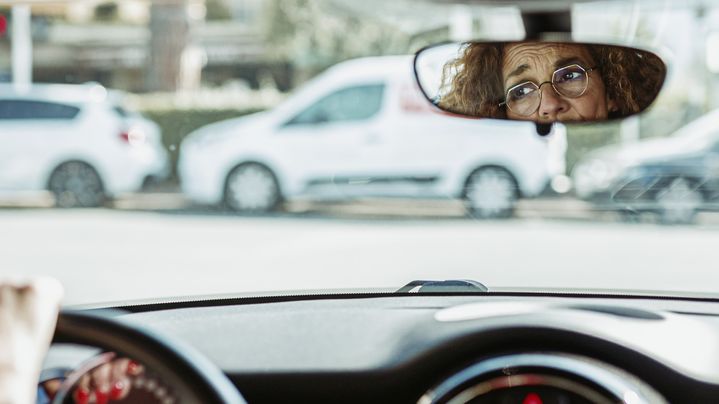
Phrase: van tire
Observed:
(490, 193)
(252, 188)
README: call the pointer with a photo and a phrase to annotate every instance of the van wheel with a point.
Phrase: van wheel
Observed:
(76, 185)
(252, 188)
(491, 193)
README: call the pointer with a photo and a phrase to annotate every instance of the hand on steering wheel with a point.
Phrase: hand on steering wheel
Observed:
(28, 315)
(188, 374)
(109, 381)
(28, 312)
(102, 379)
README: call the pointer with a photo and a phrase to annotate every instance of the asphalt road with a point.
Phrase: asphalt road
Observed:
(104, 255)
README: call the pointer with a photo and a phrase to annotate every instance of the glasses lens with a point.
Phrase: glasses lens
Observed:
(570, 81)
(523, 99)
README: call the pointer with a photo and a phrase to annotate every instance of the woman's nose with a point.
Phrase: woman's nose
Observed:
(552, 104)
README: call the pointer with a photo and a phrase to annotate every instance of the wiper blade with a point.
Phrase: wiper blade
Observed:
(446, 286)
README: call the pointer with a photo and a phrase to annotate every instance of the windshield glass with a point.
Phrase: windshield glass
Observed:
(201, 147)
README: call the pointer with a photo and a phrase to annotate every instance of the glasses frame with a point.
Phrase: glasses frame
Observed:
(539, 87)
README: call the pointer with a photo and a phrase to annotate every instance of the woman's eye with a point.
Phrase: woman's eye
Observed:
(571, 75)
(521, 92)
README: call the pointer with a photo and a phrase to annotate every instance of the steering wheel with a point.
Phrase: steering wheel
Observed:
(192, 376)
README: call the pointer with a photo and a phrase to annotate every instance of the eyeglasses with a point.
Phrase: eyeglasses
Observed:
(569, 81)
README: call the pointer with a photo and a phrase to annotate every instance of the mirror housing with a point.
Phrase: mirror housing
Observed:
(543, 82)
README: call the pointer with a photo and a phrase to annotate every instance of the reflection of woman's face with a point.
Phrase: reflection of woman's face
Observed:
(536, 62)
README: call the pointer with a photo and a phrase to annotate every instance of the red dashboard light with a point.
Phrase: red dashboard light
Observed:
(532, 398)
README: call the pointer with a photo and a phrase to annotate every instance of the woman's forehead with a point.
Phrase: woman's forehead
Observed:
(541, 56)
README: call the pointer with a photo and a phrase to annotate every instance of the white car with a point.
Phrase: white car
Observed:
(362, 129)
(75, 141)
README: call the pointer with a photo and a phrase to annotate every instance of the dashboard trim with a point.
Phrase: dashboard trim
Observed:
(224, 300)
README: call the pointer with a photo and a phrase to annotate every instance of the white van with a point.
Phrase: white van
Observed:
(363, 129)
(75, 141)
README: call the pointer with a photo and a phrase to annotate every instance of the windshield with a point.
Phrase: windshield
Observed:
(201, 147)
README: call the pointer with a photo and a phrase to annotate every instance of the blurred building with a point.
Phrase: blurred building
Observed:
(111, 42)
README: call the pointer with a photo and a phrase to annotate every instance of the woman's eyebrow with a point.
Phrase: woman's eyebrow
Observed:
(519, 70)
(568, 61)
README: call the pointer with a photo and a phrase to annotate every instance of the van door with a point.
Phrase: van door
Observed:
(332, 144)
(421, 142)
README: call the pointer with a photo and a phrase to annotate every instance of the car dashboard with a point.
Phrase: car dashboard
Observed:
(493, 348)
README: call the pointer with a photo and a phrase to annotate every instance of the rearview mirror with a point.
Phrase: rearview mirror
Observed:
(543, 82)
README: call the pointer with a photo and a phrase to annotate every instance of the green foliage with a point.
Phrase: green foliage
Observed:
(217, 10)
(177, 124)
(315, 34)
(106, 11)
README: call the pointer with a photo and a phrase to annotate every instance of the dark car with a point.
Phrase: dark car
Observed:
(674, 177)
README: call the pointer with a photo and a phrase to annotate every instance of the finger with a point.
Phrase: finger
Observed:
(120, 388)
(81, 396)
(51, 387)
(82, 391)
(119, 368)
(119, 381)
(101, 377)
(84, 382)
(101, 396)
(134, 368)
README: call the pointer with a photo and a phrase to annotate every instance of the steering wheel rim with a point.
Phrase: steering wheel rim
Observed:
(196, 379)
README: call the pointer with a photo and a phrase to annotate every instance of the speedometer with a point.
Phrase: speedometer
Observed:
(530, 389)
(539, 378)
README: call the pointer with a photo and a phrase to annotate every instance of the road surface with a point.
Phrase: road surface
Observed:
(106, 255)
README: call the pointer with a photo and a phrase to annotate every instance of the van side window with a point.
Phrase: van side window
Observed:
(120, 111)
(355, 103)
(27, 109)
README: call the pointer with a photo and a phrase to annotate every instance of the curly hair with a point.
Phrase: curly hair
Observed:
(472, 84)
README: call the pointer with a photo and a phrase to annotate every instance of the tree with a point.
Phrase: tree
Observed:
(170, 36)
(315, 34)
(106, 12)
(217, 10)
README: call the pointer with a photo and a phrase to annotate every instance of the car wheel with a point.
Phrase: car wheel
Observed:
(76, 185)
(678, 202)
(629, 215)
(252, 188)
(490, 193)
